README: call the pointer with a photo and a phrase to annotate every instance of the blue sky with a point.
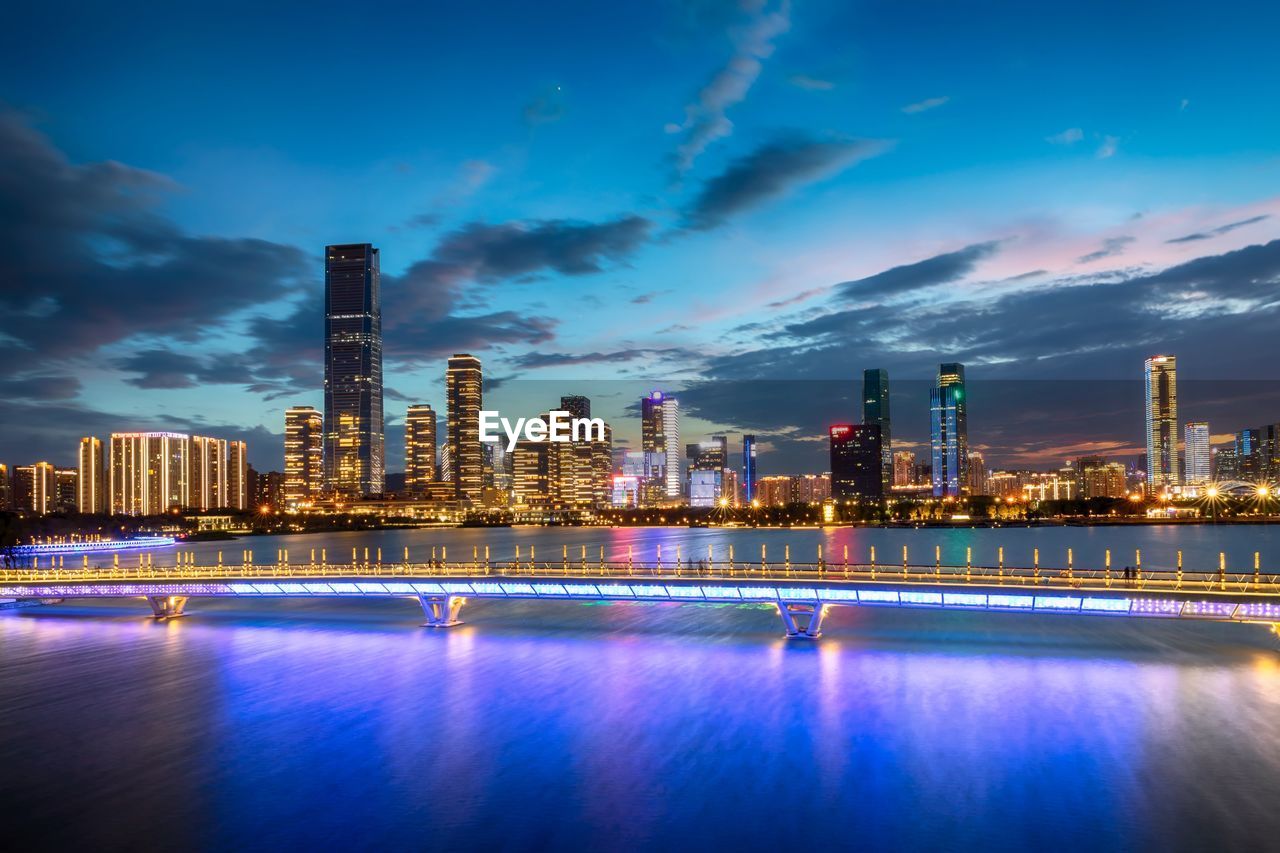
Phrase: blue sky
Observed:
(604, 197)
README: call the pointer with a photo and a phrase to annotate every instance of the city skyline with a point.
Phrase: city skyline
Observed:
(578, 231)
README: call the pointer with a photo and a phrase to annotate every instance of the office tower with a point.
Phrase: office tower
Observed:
(857, 465)
(660, 441)
(419, 448)
(1104, 480)
(1161, 372)
(237, 475)
(1197, 464)
(577, 406)
(1270, 446)
(1224, 464)
(748, 469)
(304, 438)
(354, 463)
(464, 393)
(147, 472)
(208, 473)
(270, 493)
(6, 488)
(1249, 455)
(949, 432)
(977, 476)
(904, 468)
(91, 484)
(35, 488)
(875, 410)
(707, 463)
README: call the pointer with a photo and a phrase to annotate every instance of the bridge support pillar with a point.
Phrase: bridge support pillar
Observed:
(441, 610)
(168, 606)
(802, 620)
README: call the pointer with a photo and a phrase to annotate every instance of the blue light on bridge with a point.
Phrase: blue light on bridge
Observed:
(933, 599)
(1057, 602)
(649, 590)
(1106, 605)
(877, 596)
(1016, 602)
(964, 599)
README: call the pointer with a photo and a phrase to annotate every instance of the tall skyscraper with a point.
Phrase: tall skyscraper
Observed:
(1198, 465)
(660, 441)
(238, 488)
(949, 432)
(1162, 422)
(354, 463)
(576, 405)
(904, 468)
(748, 469)
(91, 484)
(464, 394)
(419, 448)
(303, 455)
(875, 410)
(856, 462)
(35, 488)
(1249, 457)
(977, 476)
(707, 463)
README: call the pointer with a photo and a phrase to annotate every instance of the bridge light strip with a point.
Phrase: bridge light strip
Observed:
(1106, 605)
(1057, 602)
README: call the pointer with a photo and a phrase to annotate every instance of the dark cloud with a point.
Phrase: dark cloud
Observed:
(939, 269)
(39, 388)
(771, 171)
(1111, 247)
(1220, 230)
(534, 360)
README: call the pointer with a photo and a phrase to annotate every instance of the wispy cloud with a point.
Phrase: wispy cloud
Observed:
(1220, 230)
(813, 84)
(1111, 247)
(705, 120)
(925, 105)
(1108, 148)
(1070, 136)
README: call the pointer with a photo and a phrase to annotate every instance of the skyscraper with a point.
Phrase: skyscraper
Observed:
(1162, 422)
(303, 455)
(6, 488)
(207, 477)
(464, 394)
(1198, 464)
(576, 405)
(90, 487)
(35, 488)
(1249, 461)
(904, 468)
(660, 441)
(707, 463)
(148, 472)
(748, 468)
(237, 475)
(977, 476)
(419, 448)
(949, 432)
(354, 463)
(875, 410)
(856, 462)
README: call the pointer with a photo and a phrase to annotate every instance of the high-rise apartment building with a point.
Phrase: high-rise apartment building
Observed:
(304, 438)
(354, 461)
(949, 432)
(660, 441)
(875, 411)
(147, 473)
(904, 468)
(91, 484)
(6, 488)
(464, 395)
(857, 465)
(1161, 382)
(35, 488)
(207, 477)
(1198, 465)
(977, 474)
(419, 448)
(238, 486)
(67, 483)
(1104, 480)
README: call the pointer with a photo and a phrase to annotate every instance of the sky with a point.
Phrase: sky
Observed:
(745, 202)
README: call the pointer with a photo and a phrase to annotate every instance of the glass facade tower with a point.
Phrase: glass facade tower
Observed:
(949, 432)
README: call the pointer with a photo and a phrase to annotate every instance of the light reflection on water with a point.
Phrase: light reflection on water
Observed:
(551, 724)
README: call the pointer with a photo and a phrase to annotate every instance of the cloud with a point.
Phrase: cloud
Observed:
(705, 119)
(646, 298)
(812, 84)
(1108, 148)
(939, 269)
(1220, 230)
(536, 360)
(925, 105)
(771, 171)
(39, 388)
(1070, 136)
(1111, 247)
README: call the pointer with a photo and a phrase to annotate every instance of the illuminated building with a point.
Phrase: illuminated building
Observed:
(1105, 481)
(1197, 465)
(1050, 487)
(534, 468)
(1161, 374)
(857, 465)
(270, 491)
(977, 474)
(35, 488)
(748, 468)
(419, 448)
(67, 485)
(774, 491)
(729, 490)
(91, 484)
(904, 465)
(207, 478)
(303, 456)
(810, 488)
(1249, 465)
(949, 432)
(147, 472)
(660, 441)
(625, 491)
(577, 406)
(1224, 464)
(354, 464)
(707, 463)
(875, 412)
(464, 394)
(237, 475)
(6, 488)
(444, 467)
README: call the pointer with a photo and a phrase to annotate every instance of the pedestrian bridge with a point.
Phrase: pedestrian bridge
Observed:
(800, 593)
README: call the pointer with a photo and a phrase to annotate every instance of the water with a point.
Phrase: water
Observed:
(550, 725)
